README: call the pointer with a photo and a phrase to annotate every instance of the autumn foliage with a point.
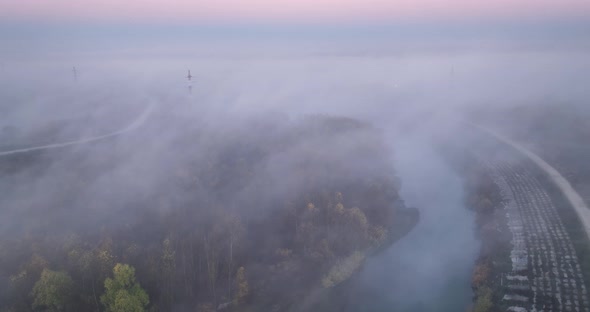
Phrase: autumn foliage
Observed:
(250, 218)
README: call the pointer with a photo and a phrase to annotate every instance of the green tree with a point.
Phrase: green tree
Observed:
(53, 291)
(122, 292)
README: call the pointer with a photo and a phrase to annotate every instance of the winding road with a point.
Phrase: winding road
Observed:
(132, 126)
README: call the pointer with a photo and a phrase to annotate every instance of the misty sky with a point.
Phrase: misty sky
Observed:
(296, 54)
(297, 11)
(38, 28)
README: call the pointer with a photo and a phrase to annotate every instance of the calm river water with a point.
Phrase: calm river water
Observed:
(429, 269)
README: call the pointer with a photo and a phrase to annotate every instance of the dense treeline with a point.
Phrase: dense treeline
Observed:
(483, 196)
(248, 218)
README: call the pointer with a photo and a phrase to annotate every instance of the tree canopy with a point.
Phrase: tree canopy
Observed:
(250, 218)
(122, 292)
(52, 291)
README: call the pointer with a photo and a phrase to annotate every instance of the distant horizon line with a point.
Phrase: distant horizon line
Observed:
(16, 27)
(304, 23)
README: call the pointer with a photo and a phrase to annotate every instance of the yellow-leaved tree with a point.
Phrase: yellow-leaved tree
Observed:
(243, 288)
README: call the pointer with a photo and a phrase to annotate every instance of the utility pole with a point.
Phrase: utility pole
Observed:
(190, 85)
(75, 73)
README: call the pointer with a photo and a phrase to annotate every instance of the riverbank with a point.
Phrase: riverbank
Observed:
(430, 268)
(324, 298)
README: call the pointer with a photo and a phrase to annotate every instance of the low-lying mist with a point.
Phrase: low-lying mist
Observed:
(267, 174)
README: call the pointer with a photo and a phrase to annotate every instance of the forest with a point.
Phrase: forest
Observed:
(253, 217)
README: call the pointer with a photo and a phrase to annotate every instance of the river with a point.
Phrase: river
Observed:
(430, 268)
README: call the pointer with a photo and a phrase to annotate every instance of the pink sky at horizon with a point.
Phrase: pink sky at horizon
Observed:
(288, 10)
